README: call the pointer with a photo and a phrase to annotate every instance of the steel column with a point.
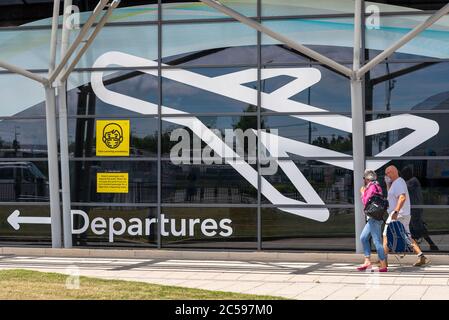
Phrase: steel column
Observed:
(63, 138)
(358, 126)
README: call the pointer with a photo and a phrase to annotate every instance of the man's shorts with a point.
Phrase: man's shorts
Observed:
(405, 220)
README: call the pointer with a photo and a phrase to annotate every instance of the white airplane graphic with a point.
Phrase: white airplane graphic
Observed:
(231, 86)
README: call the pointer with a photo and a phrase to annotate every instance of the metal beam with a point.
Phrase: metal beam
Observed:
(23, 72)
(63, 138)
(53, 170)
(65, 74)
(54, 35)
(358, 126)
(277, 36)
(78, 39)
(52, 147)
(403, 41)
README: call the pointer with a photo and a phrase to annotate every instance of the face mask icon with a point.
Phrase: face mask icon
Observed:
(112, 135)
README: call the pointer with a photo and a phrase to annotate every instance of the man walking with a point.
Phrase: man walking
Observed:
(399, 201)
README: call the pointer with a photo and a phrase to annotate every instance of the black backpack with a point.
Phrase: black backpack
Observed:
(376, 207)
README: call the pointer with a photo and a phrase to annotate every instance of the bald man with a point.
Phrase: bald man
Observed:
(399, 201)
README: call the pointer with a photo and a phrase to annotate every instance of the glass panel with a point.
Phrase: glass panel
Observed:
(320, 89)
(28, 49)
(186, 10)
(333, 184)
(28, 234)
(211, 46)
(282, 230)
(281, 54)
(23, 139)
(430, 227)
(309, 132)
(115, 226)
(423, 144)
(427, 180)
(211, 228)
(392, 83)
(432, 43)
(143, 137)
(24, 181)
(119, 98)
(205, 184)
(16, 104)
(305, 7)
(140, 50)
(202, 91)
(180, 141)
(331, 37)
(142, 181)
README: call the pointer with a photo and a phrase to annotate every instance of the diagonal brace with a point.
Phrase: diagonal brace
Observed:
(403, 41)
(277, 36)
(66, 73)
(84, 30)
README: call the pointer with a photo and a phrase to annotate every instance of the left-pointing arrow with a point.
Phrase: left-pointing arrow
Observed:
(15, 220)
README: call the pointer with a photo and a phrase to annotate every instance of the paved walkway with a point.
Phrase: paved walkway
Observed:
(294, 280)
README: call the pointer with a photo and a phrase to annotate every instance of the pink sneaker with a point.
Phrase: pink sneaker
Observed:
(364, 267)
(380, 270)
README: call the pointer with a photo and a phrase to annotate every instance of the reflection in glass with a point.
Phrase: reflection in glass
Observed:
(332, 92)
(142, 181)
(189, 97)
(432, 175)
(281, 230)
(23, 139)
(391, 83)
(334, 185)
(437, 145)
(83, 101)
(177, 39)
(205, 184)
(310, 133)
(23, 181)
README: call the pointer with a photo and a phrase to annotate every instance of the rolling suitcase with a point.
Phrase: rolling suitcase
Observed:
(398, 241)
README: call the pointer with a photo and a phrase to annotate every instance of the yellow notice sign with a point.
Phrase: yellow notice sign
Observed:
(116, 182)
(113, 138)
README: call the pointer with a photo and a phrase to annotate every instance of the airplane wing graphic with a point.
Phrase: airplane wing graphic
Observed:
(231, 86)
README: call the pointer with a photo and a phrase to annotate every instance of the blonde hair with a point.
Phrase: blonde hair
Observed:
(370, 175)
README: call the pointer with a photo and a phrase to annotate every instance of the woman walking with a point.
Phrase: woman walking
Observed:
(373, 227)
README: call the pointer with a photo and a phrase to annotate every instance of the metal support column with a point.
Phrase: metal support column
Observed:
(63, 137)
(358, 126)
(53, 170)
(52, 144)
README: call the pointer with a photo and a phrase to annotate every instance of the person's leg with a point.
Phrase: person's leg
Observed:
(365, 239)
(405, 220)
(432, 244)
(385, 244)
(422, 260)
(376, 234)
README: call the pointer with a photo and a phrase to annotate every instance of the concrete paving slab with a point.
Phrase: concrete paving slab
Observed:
(381, 292)
(348, 292)
(319, 292)
(409, 293)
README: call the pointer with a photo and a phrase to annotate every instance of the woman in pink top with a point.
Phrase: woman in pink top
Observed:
(373, 227)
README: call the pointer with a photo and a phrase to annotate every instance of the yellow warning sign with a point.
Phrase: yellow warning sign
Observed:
(108, 182)
(113, 138)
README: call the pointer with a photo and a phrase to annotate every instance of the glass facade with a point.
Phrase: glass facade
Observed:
(233, 139)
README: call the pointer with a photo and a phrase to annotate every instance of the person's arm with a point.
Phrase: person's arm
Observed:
(399, 206)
